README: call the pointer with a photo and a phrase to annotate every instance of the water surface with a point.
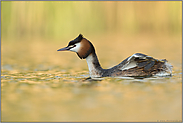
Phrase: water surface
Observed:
(40, 84)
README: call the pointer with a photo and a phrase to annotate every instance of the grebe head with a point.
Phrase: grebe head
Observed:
(81, 46)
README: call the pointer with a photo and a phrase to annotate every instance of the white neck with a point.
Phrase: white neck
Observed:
(94, 66)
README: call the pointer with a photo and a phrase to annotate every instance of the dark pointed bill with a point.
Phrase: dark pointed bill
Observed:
(63, 49)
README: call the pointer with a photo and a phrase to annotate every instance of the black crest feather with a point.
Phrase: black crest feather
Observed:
(80, 37)
(76, 40)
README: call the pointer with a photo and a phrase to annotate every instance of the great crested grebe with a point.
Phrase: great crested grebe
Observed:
(137, 65)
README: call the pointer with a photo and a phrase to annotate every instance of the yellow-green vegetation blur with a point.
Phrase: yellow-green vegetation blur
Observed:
(60, 19)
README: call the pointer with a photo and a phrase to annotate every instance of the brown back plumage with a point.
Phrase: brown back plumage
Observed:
(157, 67)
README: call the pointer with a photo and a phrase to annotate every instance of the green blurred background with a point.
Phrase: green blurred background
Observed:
(57, 20)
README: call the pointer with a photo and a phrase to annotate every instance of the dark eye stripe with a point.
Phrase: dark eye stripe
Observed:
(72, 46)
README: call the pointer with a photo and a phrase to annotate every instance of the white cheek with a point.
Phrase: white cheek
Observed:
(76, 48)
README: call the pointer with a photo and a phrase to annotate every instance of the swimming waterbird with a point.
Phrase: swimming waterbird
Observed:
(137, 65)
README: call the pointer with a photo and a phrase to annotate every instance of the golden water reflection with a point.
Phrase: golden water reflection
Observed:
(40, 84)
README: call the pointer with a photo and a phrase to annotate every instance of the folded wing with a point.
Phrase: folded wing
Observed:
(138, 60)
